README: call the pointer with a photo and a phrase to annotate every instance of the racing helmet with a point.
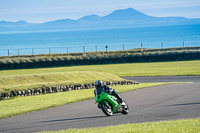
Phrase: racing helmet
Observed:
(98, 84)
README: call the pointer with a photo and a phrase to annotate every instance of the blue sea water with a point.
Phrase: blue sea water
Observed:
(96, 40)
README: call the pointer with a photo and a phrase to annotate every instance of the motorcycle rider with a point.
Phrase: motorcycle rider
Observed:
(101, 87)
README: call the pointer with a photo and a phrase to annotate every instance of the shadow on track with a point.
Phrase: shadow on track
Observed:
(186, 104)
(71, 119)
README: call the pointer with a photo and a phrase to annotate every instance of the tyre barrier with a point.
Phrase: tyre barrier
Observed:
(63, 88)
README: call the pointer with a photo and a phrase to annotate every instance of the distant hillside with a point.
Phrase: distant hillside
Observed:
(118, 19)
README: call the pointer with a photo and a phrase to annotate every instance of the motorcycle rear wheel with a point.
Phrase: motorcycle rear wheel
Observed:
(106, 109)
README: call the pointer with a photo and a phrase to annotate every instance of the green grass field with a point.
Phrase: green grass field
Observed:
(34, 78)
(13, 79)
(127, 69)
(176, 126)
(24, 78)
(20, 105)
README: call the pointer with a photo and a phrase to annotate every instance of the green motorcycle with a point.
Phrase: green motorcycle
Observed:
(110, 104)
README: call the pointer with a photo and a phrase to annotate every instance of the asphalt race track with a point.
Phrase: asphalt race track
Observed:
(141, 79)
(167, 102)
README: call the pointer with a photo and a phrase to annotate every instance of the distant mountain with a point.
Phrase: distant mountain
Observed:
(20, 23)
(126, 14)
(118, 19)
(90, 18)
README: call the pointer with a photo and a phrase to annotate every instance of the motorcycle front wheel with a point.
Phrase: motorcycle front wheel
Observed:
(125, 109)
(106, 109)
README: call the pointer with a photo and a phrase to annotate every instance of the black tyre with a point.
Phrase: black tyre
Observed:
(125, 109)
(106, 109)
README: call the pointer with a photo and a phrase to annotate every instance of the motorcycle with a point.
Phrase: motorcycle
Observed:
(110, 104)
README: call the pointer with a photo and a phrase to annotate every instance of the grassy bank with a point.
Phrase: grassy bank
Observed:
(176, 126)
(126, 69)
(20, 105)
(22, 82)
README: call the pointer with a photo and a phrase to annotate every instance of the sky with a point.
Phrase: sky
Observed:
(40, 11)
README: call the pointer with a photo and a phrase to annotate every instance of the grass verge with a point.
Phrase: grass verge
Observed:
(31, 81)
(176, 126)
(126, 69)
(20, 105)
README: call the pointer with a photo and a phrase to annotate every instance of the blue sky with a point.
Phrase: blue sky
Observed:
(39, 11)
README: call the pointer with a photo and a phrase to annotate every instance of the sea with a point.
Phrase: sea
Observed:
(32, 43)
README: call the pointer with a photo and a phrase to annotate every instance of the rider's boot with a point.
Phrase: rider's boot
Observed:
(120, 99)
(115, 93)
